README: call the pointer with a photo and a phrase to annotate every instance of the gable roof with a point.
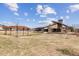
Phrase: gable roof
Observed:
(60, 23)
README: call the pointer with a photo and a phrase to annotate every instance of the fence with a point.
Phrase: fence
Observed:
(14, 30)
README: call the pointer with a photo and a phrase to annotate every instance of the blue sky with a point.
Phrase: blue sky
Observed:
(38, 14)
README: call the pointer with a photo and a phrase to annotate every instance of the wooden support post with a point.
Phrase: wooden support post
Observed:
(27, 32)
(5, 32)
(10, 31)
(23, 31)
(17, 30)
(5, 29)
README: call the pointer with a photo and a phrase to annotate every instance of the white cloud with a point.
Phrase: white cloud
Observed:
(44, 9)
(49, 10)
(74, 8)
(67, 17)
(39, 9)
(26, 14)
(15, 13)
(61, 17)
(12, 6)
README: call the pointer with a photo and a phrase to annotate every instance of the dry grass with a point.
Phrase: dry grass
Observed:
(39, 44)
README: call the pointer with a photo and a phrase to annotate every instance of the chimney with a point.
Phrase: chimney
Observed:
(60, 21)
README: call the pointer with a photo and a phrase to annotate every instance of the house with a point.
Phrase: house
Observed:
(56, 26)
(1, 28)
(39, 29)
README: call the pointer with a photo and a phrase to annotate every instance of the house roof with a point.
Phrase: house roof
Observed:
(17, 27)
(60, 23)
(55, 22)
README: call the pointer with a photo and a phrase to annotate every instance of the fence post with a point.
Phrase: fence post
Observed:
(23, 30)
(17, 30)
(5, 32)
(10, 31)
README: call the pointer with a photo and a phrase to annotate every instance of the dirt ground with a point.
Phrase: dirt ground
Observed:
(39, 44)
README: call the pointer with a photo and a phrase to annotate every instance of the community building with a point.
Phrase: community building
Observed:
(56, 26)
